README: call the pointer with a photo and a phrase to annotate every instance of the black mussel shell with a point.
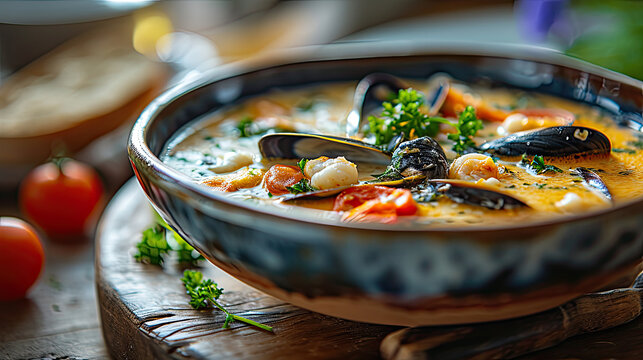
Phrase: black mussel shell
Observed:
(593, 180)
(464, 192)
(552, 141)
(311, 146)
(421, 156)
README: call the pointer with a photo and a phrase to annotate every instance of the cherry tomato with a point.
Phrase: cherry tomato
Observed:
(280, 176)
(375, 203)
(21, 258)
(62, 200)
(357, 195)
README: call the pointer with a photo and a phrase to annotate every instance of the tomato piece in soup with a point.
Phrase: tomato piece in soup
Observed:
(375, 203)
(278, 177)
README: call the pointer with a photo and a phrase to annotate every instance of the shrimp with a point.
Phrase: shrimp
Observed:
(326, 173)
(473, 167)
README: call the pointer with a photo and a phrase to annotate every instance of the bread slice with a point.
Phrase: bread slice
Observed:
(81, 90)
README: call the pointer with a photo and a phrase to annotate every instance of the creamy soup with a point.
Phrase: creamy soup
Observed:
(477, 183)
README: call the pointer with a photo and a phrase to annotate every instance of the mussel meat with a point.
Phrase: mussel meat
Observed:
(552, 141)
(593, 180)
(465, 192)
(311, 146)
(421, 156)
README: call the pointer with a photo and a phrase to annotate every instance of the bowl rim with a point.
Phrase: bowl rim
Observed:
(137, 145)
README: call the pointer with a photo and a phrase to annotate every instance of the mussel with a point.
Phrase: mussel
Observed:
(465, 192)
(421, 156)
(552, 141)
(368, 96)
(310, 146)
(592, 180)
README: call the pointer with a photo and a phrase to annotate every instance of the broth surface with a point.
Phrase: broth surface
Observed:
(199, 149)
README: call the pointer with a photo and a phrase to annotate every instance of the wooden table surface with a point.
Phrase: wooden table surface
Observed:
(59, 318)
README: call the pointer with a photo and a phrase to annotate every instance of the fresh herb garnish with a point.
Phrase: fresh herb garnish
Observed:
(204, 293)
(538, 165)
(302, 164)
(626, 151)
(467, 127)
(154, 246)
(402, 116)
(301, 187)
(245, 127)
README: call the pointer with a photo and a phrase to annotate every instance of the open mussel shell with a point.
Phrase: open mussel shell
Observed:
(369, 94)
(552, 141)
(593, 180)
(404, 182)
(311, 146)
(438, 89)
(465, 192)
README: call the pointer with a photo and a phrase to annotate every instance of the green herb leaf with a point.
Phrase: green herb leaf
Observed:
(402, 116)
(204, 294)
(626, 151)
(245, 127)
(538, 165)
(467, 127)
(302, 164)
(301, 187)
(153, 247)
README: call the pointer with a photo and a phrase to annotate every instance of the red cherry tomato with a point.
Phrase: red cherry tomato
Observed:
(21, 258)
(63, 200)
(357, 195)
(280, 176)
(375, 203)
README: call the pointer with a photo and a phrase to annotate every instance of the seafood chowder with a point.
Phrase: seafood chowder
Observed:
(438, 152)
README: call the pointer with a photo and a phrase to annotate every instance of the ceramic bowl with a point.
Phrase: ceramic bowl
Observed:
(395, 274)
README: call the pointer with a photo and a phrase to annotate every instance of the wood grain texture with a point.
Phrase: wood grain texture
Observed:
(511, 338)
(145, 313)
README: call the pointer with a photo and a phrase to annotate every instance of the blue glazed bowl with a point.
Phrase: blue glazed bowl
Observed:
(395, 274)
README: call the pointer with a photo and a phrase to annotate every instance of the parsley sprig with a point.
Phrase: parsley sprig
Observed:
(304, 184)
(537, 164)
(301, 187)
(466, 128)
(154, 246)
(402, 116)
(204, 294)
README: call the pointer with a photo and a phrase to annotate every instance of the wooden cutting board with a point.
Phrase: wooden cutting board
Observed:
(145, 312)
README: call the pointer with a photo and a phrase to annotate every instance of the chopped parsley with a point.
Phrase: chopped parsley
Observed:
(626, 151)
(467, 127)
(301, 187)
(538, 165)
(245, 127)
(402, 116)
(302, 164)
(154, 246)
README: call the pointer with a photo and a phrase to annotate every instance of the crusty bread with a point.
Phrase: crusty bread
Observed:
(79, 91)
